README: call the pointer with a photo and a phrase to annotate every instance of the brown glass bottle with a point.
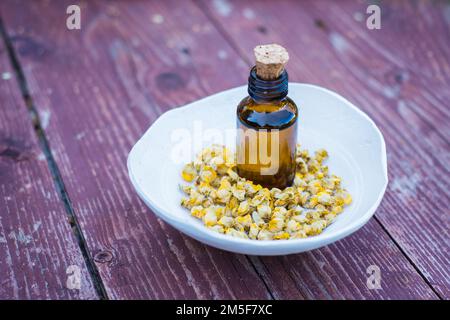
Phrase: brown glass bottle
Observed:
(267, 132)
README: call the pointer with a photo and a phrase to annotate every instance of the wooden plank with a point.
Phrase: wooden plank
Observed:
(99, 89)
(399, 76)
(128, 64)
(36, 242)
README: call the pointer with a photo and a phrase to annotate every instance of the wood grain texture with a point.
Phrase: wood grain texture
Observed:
(36, 241)
(399, 75)
(99, 88)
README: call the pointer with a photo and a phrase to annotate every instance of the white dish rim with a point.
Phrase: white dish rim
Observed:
(204, 233)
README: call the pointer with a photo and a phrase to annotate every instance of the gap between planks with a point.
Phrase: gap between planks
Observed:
(219, 27)
(53, 167)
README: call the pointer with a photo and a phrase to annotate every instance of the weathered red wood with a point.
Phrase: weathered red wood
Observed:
(36, 241)
(127, 65)
(399, 75)
(99, 89)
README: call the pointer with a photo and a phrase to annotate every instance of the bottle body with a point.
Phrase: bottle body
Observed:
(266, 141)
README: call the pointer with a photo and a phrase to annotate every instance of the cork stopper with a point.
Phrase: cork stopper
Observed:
(270, 61)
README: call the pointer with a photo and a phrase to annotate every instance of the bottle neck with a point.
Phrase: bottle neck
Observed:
(266, 91)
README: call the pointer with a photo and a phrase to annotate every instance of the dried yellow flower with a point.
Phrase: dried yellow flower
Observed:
(229, 204)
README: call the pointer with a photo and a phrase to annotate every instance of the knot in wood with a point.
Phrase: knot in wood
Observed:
(103, 256)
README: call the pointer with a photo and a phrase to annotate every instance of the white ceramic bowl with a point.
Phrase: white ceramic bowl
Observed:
(326, 120)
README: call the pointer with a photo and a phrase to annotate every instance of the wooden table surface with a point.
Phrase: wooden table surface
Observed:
(73, 102)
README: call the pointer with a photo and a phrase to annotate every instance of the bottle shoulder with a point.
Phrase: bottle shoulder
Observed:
(278, 115)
